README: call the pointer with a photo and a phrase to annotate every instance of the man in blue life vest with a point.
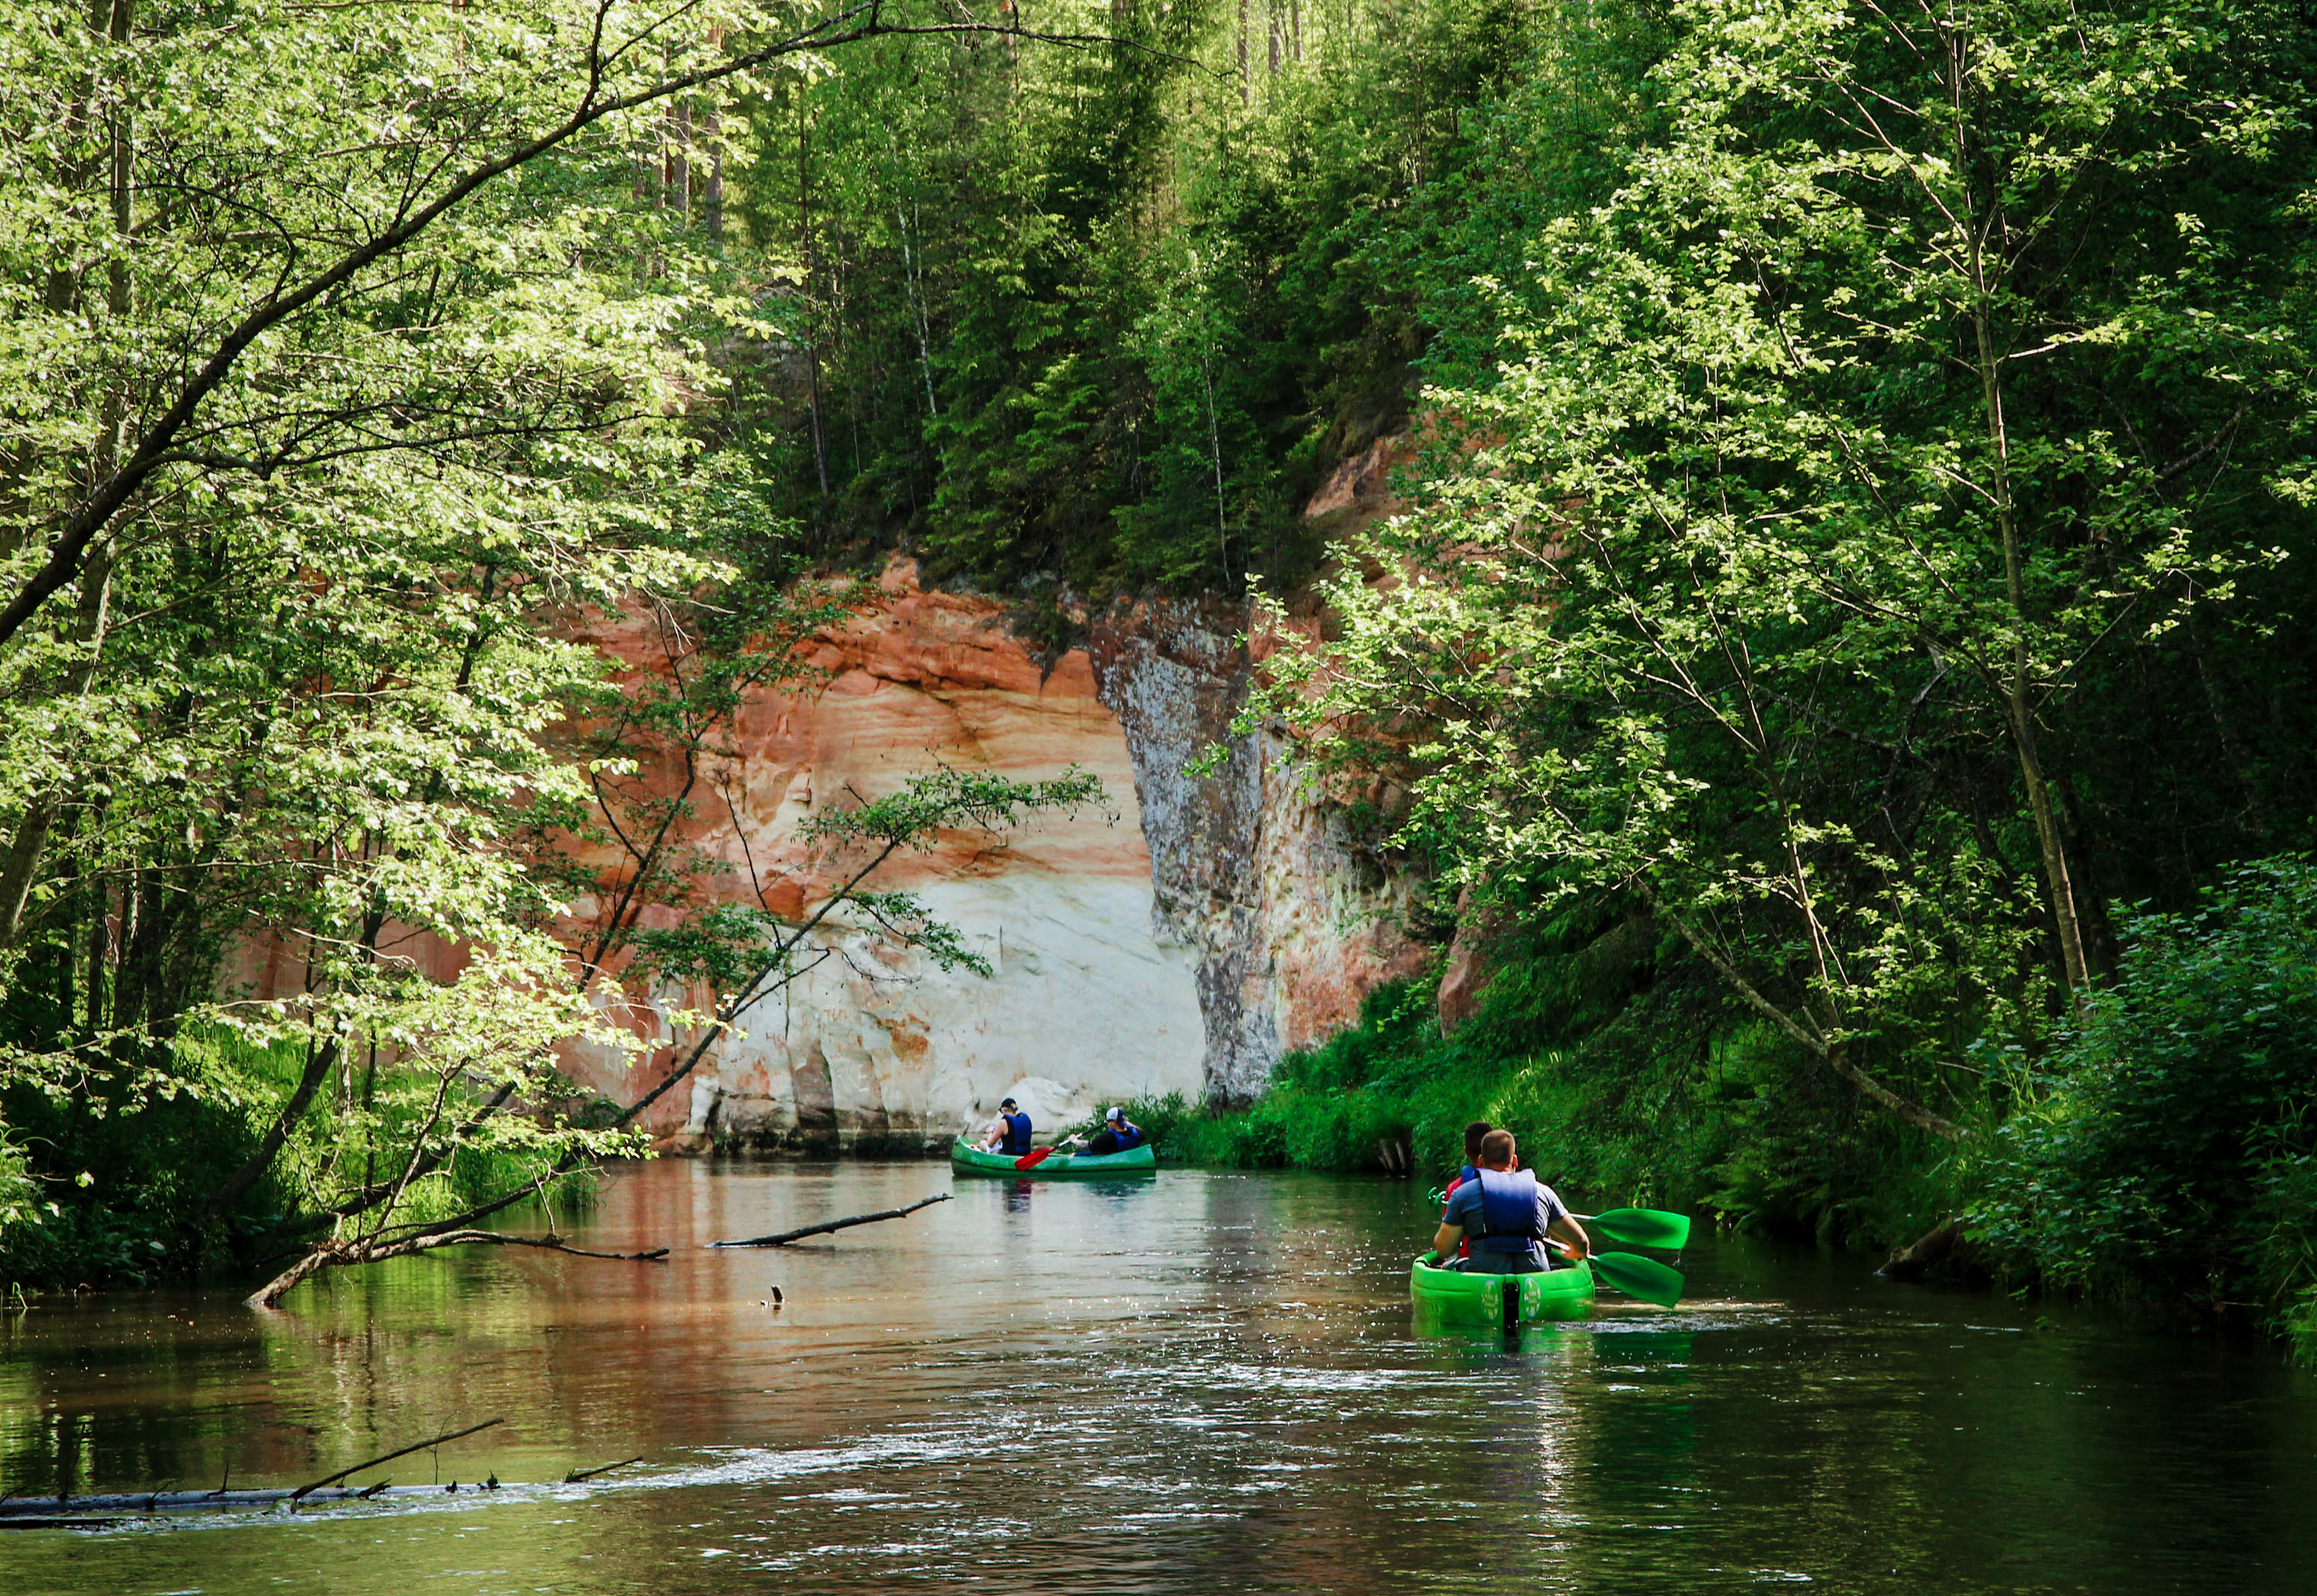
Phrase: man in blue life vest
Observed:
(1508, 1214)
(1009, 1133)
(1118, 1134)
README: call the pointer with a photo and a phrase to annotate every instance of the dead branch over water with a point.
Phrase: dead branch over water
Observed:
(786, 1237)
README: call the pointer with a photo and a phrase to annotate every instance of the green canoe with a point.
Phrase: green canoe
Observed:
(969, 1160)
(1451, 1297)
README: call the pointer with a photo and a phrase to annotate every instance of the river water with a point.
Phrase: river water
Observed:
(1205, 1382)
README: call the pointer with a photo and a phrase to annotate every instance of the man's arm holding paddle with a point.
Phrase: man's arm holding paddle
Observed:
(1574, 1243)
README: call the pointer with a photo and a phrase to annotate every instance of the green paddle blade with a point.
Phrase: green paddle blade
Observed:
(1642, 1227)
(1637, 1276)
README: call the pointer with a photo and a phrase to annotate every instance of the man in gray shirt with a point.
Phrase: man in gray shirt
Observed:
(1507, 1213)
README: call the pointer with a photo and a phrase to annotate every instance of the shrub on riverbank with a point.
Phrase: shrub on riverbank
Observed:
(2167, 1149)
(1627, 1078)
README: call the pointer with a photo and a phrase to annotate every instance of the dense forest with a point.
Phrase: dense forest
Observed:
(1842, 648)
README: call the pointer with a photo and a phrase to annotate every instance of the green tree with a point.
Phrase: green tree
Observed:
(354, 361)
(1920, 365)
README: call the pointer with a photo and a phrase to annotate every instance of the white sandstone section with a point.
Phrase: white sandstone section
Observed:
(1083, 1007)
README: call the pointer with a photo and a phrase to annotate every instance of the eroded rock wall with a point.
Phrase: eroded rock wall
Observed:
(1177, 940)
(874, 1048)
(1181, 943)
(1293, 919)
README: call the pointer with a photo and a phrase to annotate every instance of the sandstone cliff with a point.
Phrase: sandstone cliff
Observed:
(1178, 945)
(1178, 939)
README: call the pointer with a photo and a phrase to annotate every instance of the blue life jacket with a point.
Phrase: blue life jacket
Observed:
(1129, 1136)
(1507, 1211)
(1018, 1134)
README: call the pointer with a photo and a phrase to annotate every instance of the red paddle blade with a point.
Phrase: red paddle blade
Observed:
(1032, 1160)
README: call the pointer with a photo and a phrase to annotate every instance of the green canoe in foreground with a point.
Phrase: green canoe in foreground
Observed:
(1451, 1297)
(969, 1160)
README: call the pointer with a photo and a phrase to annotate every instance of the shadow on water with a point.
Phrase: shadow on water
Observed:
(1197, 1383)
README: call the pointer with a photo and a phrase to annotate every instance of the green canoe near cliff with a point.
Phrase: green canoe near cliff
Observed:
(1451, 1296)
(969, 1160)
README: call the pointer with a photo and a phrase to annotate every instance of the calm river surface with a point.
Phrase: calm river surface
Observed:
(1206, 1382)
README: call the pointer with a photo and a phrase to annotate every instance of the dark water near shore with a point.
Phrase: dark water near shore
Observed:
(1202, 1383)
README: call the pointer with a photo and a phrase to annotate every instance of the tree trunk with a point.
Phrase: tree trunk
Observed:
(2019, 709)
(812, 345)
(679, 160)
(2018, 687)
(910, 279)
(711, 187)
(1245, 64)
(26, 848)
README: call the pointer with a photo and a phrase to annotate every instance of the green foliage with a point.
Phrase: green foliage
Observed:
(1627, 1080)
(362, 374)
(1108, 318)
(1818, 519)
(2169, 1147)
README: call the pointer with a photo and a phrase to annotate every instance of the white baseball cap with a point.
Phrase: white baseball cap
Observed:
(1115, 1114)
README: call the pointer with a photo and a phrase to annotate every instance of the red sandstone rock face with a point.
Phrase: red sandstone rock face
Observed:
(1175, 940)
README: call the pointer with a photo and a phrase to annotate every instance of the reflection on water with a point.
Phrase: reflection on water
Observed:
(1203, 1382)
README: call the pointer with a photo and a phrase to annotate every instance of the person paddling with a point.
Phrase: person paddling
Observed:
(1507, 1214)
(1118, 1134)
(1474, 1133)
(1009, 1133)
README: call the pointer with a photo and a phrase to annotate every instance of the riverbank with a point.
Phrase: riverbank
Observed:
(2154, 1148)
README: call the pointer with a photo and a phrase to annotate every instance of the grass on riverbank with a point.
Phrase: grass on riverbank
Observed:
(1636, 1109)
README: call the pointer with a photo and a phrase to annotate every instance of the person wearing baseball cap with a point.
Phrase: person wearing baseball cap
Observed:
(1009, 1133)
(1118, 1134)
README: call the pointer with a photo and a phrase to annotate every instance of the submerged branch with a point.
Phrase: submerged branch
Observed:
(786, 1237)
(375, 1250)
(332, 1479)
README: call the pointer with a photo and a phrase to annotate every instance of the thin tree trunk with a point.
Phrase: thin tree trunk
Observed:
(917, 311)
(711, 188)
(1215, 446)
(811, 344)
(2018, 708)
(318, 1064)
(679, 160)
(711, 128)
(1246, 65)
(27, 847)
(100, 932)
(1834, 1058)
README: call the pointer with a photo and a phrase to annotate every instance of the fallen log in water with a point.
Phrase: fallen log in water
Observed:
(17, 1510)
(103, 1512)
(23, 1512)
(419, 1446)
(786, 1237)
